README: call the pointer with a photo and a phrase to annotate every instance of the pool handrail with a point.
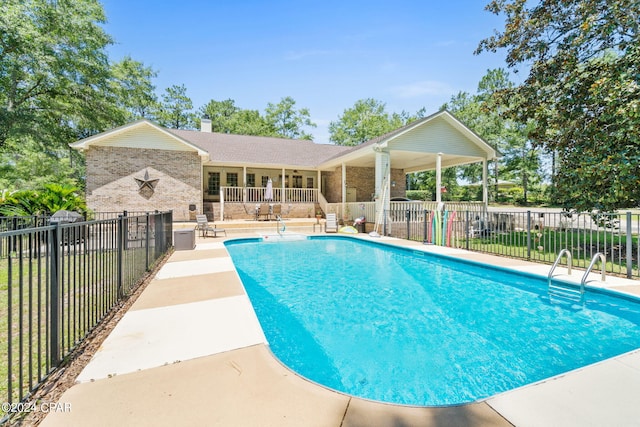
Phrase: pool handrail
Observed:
(603, 261)
(555, 264)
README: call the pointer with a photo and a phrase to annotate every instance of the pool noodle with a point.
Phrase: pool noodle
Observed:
(450, 227)
(445, 219)
(438, 228)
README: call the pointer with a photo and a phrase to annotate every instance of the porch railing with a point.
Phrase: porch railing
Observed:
(352, 210)
(257, 194)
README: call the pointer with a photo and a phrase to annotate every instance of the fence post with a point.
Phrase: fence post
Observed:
(169, 218)
(528, 234)
(160, 238)
(424, 231)
(407, 215)
(146, 239)
(629, 247)
(54, 296)
(125, 226)
(120, 236)
(14, 239)
(466, 230)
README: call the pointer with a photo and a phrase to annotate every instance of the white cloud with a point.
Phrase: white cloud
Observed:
(422, 88)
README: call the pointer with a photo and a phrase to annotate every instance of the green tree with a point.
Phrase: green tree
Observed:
(220, 113)
(176, 109)
(250, 122)
(367, 119)
(582, 92)
(520, 161)
(426, 181)
(468, 109)
(226, 117)
(483, 113)
(133, 89)
(53, 70)
(287, 121)
(30, 169)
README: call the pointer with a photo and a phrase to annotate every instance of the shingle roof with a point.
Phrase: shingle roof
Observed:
(231, 148)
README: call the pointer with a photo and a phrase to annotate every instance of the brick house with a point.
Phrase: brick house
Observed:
(144, 167)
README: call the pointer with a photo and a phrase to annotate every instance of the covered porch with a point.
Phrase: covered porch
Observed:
(236, 192)
(248, 202)
(434, 143)
(360, 181)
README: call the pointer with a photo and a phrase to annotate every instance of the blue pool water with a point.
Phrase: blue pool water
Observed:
(400, 326)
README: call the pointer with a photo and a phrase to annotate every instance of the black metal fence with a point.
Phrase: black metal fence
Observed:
(57, 282)
(112, 215)
(534, 236)
(9, 223)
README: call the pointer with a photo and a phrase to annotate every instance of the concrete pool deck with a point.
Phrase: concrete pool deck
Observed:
(190, 351)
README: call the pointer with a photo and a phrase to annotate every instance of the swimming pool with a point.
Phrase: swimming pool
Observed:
(401, 326)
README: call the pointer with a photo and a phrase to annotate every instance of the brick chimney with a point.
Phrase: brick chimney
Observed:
(205, 125)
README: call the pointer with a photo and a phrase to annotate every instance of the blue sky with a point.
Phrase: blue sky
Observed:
(326, 55)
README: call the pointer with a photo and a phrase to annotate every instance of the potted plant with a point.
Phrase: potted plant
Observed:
(318, 216)
(347, 213)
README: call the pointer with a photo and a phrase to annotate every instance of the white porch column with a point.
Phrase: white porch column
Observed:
(221, 205)
(383, 184)
(244, 184)
(344, 187)
(383, 173)
(319, 185)
(485, 191)
(439, 178)
(282, 195)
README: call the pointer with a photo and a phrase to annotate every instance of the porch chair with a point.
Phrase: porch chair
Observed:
(265, 211)
(331, 224)
(277, 211)
(204, 227)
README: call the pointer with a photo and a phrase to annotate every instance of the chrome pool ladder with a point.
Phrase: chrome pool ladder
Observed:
(560, 291)
(280, 222)
(603, 265)
(555, 264)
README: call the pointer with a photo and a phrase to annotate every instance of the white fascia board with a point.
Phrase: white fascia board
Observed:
(345, 158)
(259, 165)
(84, 144)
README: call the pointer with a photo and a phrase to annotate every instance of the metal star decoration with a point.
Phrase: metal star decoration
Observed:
(146, 182)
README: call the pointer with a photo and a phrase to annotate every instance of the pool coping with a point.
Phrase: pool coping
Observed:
(253, 386)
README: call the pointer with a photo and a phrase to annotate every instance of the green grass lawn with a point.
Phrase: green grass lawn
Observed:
(20, 310)
(87, 293)
(546, 244)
